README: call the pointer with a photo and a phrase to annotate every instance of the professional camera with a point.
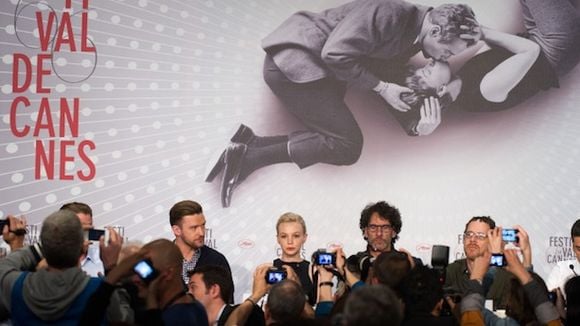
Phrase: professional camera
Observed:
(322, 257)
(360, 264)
(275, 275)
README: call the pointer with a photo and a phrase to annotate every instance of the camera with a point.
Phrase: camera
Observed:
(553, 296)
(510, 235)
(145, 270)
(94, 234)
(275, 275)
(2, 223)
(323, 258)
(497, 260)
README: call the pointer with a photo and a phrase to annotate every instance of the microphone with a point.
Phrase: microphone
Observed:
(572, 268)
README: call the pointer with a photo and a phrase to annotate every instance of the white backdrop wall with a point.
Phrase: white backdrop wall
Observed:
(171, 80)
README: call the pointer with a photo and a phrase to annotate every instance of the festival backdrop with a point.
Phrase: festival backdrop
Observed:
(122, 103)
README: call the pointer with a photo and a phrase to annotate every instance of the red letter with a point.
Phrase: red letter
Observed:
(26, 128)
(64, 158)
(90, 164)
(44, 33)
(66, 118)
(70, 37)
(48, 162)
(41, 72)
(85, 31)
(15, 72)
(44, 111)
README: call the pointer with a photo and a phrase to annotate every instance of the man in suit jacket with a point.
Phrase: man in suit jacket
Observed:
(311, 60)
(211, 285)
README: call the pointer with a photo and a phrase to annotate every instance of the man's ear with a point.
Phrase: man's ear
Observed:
(176, 230)
(215, 290)
(435, 31)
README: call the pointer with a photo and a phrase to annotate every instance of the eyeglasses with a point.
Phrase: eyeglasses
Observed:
(475, 235)
(375, 227)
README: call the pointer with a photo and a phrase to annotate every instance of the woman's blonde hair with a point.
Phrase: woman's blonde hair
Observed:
(291, 217)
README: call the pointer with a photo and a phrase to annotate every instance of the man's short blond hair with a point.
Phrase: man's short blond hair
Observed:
(291, 217)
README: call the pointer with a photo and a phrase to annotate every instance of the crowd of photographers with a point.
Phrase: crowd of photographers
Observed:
(76, 275)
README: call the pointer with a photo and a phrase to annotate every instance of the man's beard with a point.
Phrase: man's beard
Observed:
(379, 245)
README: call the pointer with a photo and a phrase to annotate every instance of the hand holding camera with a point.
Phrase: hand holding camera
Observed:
(275, 275)
(13, 231)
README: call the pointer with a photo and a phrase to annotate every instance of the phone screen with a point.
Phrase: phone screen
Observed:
(2, 223)
(325, 259)
(509, 235)
(275, 277)
(145, 270)
(95, 234)
(497, 260)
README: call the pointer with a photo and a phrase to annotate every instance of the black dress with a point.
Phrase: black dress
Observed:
(301, 269)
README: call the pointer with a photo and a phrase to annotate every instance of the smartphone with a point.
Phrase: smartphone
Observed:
(510, 235)
(2, 223)
(145, 270)
(95, 234)
(497, 260)
(275, 275)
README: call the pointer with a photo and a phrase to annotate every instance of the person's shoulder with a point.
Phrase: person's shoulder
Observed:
(458, 264)
(194, 312)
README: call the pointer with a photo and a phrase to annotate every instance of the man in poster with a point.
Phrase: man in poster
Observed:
(312, 58)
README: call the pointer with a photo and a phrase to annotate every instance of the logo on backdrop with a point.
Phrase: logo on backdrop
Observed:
(459, 253)
(210, 241)
(559, 249)
(55, 141)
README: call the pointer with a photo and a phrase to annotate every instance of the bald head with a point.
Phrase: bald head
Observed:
(165, 255)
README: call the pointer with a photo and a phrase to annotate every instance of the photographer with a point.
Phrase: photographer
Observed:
(25, 291)
(527, 301)
(286, 301)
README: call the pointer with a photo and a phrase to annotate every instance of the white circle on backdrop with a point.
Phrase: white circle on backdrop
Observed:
(132, 107)
(107, 206)
(163, 8)
(144, 169)
(135, 128)
(175, 67)
(185, 156)
(116, 154)
(178, 121)
(75, 191)
(191, 174)
(160, 144)
(24, 206)
(165, 163)
(159, 28)
(99, 183)
(153, 86)
(109, 64)
(69, 166)
(86, 63)
(86, 111)
(8, 59)
(138, 23)
(122, 176)
(171, 181)
(50, 198)
(131, 86)
(11, 148)
(184, 14)
(139, 149)
(134, 44)
(158, 209)
(156, 125)
(179, 32)
(93, 14)
(111, 41)
(150, 190)
(138, 218)
(154, 66)
(147, 238)
(85, 87)
(109, 87)
(129, 198)
(181, 139)
(6, 118)
(175, 85)
(60, 88)
(176, 49)
(175, 103)
(142, 3)
(115, 19)
(155, 105)
(61, 62)
(132, 65)
(89, 135)
(7, 89)
(109, 109)
(9, 29)
(17, 178)
(156, 46)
